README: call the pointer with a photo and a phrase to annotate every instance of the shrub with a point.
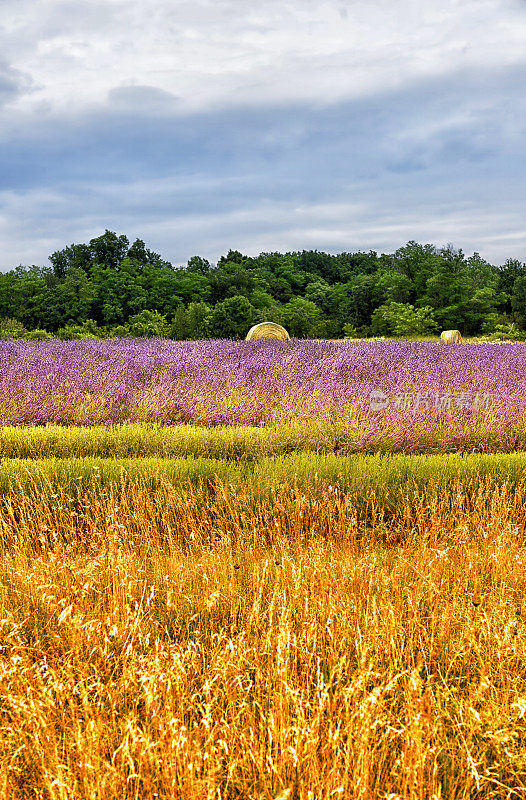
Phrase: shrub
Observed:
(302, 317)
(353, 332)
(147, 323)
(232, 318)
(11, 329)
(87, 330)
(498, 327)
(508, 332)
(402, 319)
(38, 334)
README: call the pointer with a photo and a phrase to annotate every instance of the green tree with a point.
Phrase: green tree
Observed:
(314, 262)
(120, 295)
(507, 275)
(481, 304)
(199, 320)
(319, 292)
(73, 298)
(31, 297)
(266, 308)
(108, 249)
(448, 289)
(347, 265)
(139, 253)
(179, 328)
(148, 323)
(198, 264)
(77, 256)
(461, 292)
(279, 274)
(194, 322)
(230, 279)
(402, 319)
(397, 287)
(418, 263)
(190, 287)
(518, 299)
(288, 279)
(232, 257)
(233, 318)
(302, 317)
(166, 288)
(353, 302)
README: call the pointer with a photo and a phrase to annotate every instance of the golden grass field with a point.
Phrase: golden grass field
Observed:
(152, 646)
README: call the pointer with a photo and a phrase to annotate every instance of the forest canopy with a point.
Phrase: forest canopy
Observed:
(109, 287)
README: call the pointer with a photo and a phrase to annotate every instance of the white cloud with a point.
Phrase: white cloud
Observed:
(212, 53)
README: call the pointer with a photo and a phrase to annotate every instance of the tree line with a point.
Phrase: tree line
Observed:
(110, 287)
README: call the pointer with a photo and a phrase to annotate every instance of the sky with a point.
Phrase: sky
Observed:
(281, 125)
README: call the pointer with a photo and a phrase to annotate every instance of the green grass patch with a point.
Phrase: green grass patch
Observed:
(149, 440)
(390, 481)
(248, 443)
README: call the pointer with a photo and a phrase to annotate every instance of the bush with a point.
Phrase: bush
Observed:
(497, 326)
(402, 319)
(233, 318)
(88, 330)
(353, 332)
(144, 324)
(148, 323)
(119, 332)
(38, 334)
(504, 332)
(11, 329)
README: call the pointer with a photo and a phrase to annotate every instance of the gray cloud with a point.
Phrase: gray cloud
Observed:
(13, 83)
(200, 126)
(140, 99)
(439, 162)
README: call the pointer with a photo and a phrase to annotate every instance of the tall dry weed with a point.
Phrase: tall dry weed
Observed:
(153, 644)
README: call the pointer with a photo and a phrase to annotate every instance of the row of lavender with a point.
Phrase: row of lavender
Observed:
(392, 396)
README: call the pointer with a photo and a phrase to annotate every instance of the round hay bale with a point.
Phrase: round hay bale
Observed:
(451, 337)
(267, 330)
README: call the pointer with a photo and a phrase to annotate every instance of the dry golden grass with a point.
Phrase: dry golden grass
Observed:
(283, 648)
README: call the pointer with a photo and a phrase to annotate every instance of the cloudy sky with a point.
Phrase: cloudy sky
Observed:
(206, 125)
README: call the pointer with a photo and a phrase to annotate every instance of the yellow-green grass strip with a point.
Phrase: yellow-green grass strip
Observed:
(389, 479)
(239, 442)
(143, 440)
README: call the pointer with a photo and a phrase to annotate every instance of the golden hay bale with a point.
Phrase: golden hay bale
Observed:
(267, 330)
(451, 337)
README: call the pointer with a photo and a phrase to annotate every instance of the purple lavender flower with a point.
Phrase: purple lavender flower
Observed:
(469, 398)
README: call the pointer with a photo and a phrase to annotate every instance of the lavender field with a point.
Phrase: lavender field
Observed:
(195, 602)
(392, 396)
